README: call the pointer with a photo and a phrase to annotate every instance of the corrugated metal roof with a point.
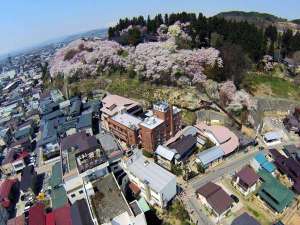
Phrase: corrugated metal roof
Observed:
(210, 155)
(165, 152)
(157, 177)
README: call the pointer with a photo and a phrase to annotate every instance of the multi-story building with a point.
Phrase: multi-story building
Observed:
(125, 127)
(157, 185)
(113, 104)
(82, 161)
(153, 133)
(160, 124)
(170, 115)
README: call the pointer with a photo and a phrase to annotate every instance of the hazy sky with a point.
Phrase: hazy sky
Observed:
(24, 23)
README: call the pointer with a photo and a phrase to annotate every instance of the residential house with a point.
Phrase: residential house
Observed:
(246, 180)
(210, 156)
(184, 147)
(165, 157)
(260, 162)
(272, 138)
(37, 214)
(226, 143)
(215, 199)
(176, 152)
(14, 162)
(277, 196)
(80, 213)
(28, 180)
(9, 193)
(60, 216)
(82, 161)
(245, 219)
(5, 136)
(288, 166)
(157, 185)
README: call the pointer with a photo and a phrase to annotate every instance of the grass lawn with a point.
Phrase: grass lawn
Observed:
(266, 84)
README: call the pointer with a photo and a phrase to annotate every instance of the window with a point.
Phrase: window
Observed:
(73, 195)
(81, 192)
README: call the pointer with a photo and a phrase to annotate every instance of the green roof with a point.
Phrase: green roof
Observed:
(56, 177)
(274, 193)
(59, 197)
(72, 160)
(143, 205)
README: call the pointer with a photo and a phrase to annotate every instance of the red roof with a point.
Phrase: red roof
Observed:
(37, 214)
(50, 219)
(22, 155)
(5, 189)
(63, 215)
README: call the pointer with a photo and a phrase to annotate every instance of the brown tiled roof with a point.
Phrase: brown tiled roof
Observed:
(248, 176)
(80, 141)
(220, 201)
(208, 189)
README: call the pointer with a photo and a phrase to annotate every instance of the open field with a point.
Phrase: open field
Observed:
(268, 85)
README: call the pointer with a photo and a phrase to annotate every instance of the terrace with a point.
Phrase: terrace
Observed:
(108, 201)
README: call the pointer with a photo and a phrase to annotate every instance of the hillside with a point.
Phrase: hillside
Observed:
(297, 21)
(261, 20)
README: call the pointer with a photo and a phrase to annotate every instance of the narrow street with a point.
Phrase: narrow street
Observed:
(227, 167)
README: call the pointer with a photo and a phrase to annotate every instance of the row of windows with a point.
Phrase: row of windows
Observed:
(74, 195)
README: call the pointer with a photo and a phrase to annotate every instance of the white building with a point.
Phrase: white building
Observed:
(157, 185)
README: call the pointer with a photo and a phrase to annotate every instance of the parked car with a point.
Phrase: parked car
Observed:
(234, 198)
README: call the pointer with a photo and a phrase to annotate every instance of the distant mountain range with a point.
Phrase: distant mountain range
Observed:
(261, 19)
(101, 33)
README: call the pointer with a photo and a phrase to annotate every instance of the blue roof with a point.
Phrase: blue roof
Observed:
(268, 166)
(210, 155)
(260, 158)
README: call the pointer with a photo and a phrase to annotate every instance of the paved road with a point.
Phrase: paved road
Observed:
(227, 167)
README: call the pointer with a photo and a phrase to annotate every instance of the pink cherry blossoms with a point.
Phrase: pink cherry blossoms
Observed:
(235, 99)
(152, 60)
(88, 57)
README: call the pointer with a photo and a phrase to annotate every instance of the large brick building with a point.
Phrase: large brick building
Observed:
(160, 124)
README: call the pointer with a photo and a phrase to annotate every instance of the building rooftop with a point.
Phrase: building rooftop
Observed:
(248, 176)
(80, 213)
(151, 122)
(112, 104)
(217, 198)
(109, 201)
(225, 138)
(127, 120)
(165, 152)
(274, 193)
(210, 155)
(56, 176)
(157, 177)
(245, 219)
(58, 197)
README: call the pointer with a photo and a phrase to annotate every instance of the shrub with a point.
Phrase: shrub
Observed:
(147, 154)
(70, 54)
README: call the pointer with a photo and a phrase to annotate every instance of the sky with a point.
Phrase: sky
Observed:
(25, 23)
